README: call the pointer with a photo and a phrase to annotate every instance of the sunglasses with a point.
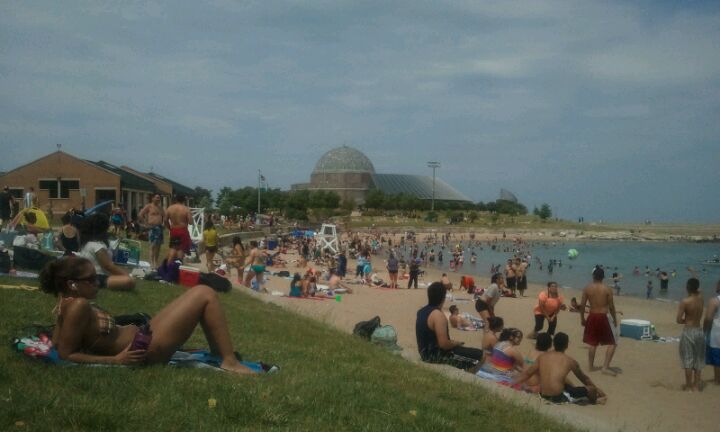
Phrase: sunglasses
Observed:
(91, 279)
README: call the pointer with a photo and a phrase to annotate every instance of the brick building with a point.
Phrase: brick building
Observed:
(63, 181)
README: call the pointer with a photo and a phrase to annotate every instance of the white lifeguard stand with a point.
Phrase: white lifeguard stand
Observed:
(327, 238)
(198, 226)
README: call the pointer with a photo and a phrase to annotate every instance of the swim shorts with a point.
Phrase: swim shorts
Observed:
(155, 235)
(713, 356)
(512, 282)
(569, 395)
(211, 249)
(522, 283)
(598, 330)
(258, 269)
(181, 235)
(692, 348)
(481, 305)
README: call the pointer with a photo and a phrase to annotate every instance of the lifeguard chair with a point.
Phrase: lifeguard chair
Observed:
(327, 238)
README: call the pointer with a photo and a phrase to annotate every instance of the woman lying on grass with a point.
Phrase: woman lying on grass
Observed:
(84, 333)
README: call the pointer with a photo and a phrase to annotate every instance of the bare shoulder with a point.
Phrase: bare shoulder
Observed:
(78, 305)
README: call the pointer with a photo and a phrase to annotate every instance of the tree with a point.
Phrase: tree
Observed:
(375, 199)
(545, 212)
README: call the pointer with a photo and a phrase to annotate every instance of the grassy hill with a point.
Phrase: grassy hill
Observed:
(329, 380)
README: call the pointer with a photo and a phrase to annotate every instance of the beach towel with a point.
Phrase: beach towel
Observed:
(38, 346)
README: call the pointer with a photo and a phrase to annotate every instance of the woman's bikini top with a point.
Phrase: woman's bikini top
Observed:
(105, 321)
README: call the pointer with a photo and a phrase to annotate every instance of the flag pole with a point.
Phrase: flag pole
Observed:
(259, 177)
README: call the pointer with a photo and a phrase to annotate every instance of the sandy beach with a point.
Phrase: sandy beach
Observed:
(645, 396)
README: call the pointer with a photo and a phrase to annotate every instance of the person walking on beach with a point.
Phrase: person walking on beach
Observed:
(521, 275)
(601, 321)
(178, 219)
(616, 283)
(711, 325)
(549, 305)
(413, 273)
(510, 277)
(648, 290)
(692, 340)
(257, 259)
(152, 217)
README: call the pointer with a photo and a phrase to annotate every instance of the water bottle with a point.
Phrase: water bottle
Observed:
(142, 338)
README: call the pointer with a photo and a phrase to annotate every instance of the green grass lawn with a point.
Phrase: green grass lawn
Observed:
(329, 380)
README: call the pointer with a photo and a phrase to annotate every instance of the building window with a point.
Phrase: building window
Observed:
(59, 188)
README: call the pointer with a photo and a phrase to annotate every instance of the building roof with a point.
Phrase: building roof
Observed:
(344, 159)
(128, 180)
(177, 187)
(419, 186)
(506, 195)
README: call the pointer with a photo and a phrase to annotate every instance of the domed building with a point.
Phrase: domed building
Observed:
(349, 173)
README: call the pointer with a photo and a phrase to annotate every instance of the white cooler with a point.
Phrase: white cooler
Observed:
(636, 329)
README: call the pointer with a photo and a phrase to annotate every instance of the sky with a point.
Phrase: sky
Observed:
(607, 110)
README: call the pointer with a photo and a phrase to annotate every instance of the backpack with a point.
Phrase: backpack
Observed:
(216, 282)
(365, 329)
(386, 337)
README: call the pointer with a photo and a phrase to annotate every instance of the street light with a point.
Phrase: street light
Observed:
(434, 165)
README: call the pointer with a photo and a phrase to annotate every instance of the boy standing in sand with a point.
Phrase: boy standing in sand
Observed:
(711, 326)
(599, 330)
(692, 340)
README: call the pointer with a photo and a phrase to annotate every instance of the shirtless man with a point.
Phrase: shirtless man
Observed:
(692, 340)
(256, 259)
(521, 275)
(553, 368)
(152, 217)
(446, 282)
(510, 277)
(599, 330)
(177, 219)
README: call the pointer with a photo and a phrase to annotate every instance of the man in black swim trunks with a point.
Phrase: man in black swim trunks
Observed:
(553, 367)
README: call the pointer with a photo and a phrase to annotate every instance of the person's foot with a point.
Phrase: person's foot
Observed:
(608, 371)
(592, 368)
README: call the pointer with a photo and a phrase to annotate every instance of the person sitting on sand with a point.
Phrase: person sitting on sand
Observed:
(335, 282)
(94, 246)
(433, 335)
(494, 326)
(485, 304)
(543, 343)
(296, 286)
(467, 283)
(553, 369)
(84, 333)
(692, 340)
(506, 359)
(464, 321)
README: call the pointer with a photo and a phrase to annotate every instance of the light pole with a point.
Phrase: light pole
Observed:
(434, 165)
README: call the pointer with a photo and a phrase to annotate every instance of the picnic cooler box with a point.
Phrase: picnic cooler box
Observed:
(189, 276)
(127, 252)
(636, 329)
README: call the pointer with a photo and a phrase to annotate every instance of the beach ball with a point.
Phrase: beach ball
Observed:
(573, 253)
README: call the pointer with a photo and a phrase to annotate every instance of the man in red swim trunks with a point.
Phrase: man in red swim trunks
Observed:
(178, 218)
(599, 329)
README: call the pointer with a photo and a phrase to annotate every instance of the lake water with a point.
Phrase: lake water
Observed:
(624, 256)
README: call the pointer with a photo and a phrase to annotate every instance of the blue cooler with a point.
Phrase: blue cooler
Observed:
(636, 329)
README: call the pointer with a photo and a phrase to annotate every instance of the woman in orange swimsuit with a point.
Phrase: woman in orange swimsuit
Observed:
(84, 333)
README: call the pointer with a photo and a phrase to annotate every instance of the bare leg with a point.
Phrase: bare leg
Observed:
(175, 323)
(591, 358)
(248, 277)
(155, 255)
(688, 380)
(697, 384)
(608, 358)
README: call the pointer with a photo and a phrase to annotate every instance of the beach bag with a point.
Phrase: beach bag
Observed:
(5, 262)
(30, 259)
(283, 273)
(386, 337)
(365, 329)
(216, 282)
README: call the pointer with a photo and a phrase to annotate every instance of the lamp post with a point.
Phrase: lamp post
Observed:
(434, 165)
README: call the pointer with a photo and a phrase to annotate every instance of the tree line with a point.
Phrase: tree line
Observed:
(299, 204)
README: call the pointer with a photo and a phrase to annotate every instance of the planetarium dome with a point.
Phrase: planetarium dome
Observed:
(344, 160)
